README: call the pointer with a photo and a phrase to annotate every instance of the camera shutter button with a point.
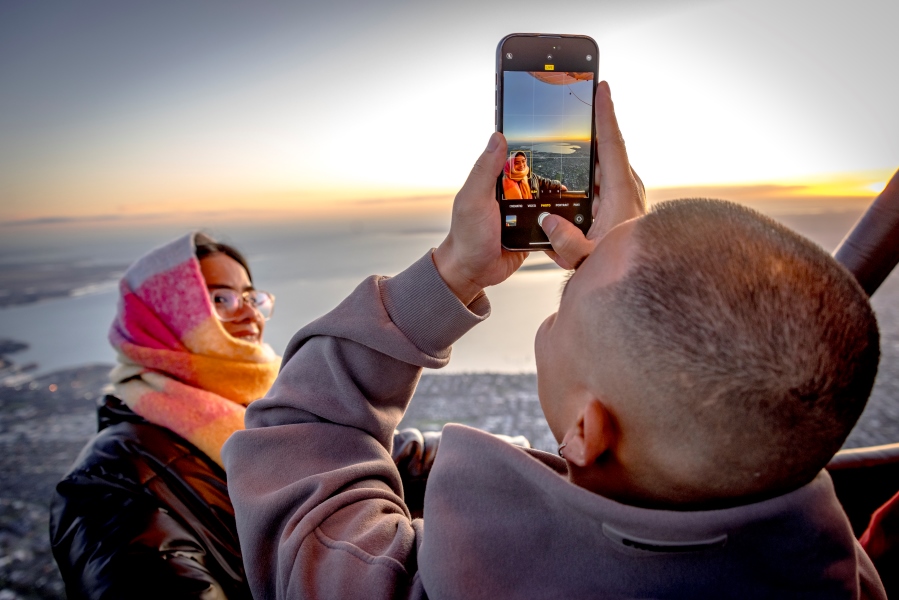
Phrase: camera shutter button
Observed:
(540, 218)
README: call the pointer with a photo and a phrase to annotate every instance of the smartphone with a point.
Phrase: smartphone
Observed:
(545, 86)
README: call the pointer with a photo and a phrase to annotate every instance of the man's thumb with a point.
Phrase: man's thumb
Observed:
(567, 240)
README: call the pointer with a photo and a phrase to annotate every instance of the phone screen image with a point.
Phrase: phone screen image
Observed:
(545, 88)
(547, 121)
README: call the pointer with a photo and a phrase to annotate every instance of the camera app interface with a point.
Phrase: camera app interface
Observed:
(547, 119)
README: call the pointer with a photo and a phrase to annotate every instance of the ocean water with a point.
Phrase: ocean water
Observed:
(308, 269)
(558, 148)
(311, 267)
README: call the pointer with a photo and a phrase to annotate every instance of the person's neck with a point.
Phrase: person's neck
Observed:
(612, 481)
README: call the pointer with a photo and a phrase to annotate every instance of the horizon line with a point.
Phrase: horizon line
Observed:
(820, 194)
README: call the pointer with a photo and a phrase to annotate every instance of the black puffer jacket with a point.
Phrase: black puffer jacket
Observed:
(143, 514)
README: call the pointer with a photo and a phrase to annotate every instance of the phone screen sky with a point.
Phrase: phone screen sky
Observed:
(547, 121)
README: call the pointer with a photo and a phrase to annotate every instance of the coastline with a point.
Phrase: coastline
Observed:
(59, 293)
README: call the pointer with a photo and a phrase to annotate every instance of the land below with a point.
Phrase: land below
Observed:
(25, 282)
(46, 420)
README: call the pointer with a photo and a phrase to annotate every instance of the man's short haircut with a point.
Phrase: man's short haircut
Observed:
(754, 340)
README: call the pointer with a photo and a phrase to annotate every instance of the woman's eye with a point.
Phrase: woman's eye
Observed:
(221, 299)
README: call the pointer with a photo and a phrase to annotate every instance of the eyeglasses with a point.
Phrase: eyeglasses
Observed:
(228, 303)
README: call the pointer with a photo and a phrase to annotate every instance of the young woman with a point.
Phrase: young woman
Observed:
(520, 183)
(144, 511)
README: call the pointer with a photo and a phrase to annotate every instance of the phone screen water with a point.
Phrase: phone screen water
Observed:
(545, 88)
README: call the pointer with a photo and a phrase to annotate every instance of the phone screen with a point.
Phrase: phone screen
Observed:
(546, 114)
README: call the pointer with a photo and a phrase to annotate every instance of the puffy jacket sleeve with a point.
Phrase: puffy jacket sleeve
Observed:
(125, 522)
(318, 499)
(413, 453)
(547, 185)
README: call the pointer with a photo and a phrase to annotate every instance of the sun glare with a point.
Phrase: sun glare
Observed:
(842, 186)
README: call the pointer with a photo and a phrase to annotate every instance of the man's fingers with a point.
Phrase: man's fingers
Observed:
(558, 260)
(611, 154)
(639, 184)
(568, 242)
(481, 182)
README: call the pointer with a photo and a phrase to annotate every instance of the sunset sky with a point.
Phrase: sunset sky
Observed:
(112, 109)
(537, 111)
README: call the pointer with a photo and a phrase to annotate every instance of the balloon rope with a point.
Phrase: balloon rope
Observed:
(570, 91)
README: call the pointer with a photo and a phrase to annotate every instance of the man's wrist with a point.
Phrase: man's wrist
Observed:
(448, 269)
(426, 311)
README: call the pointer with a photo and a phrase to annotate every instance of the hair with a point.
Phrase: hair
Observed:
(206, 246)
(749, 341)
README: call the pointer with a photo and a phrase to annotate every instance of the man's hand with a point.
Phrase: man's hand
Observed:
(472, 257)
(618, 191)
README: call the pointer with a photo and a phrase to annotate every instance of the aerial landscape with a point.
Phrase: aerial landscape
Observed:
(329, 147)
(571, 165)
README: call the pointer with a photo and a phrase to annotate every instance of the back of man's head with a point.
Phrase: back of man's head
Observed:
(751, 350)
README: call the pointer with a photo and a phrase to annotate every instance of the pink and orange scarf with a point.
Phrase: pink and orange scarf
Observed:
(178, 367)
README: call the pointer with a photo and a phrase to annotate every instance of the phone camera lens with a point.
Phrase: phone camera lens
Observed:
(549, 57)
(508, 55)
(589, 57)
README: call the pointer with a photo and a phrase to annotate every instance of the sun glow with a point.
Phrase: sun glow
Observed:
(812, 194)
(843, 185)
(277, 123)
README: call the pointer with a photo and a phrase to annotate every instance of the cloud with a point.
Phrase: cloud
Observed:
(105, 218)
(404, 200)
(60, 220)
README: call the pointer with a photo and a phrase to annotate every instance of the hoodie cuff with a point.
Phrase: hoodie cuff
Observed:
(427, 312)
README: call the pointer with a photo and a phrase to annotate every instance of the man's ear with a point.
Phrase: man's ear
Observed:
(590, 436)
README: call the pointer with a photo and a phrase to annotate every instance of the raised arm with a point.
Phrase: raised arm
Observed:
(317, 497)
(619, 193)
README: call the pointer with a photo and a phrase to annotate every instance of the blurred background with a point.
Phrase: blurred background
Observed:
(327, 140)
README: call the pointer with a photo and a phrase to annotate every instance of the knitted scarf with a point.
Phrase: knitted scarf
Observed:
(178, 367)
(515, 183)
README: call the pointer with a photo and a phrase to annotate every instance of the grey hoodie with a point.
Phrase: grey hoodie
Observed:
(320, 511)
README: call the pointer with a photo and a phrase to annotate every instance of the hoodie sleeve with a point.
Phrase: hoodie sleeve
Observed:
(318, 499)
